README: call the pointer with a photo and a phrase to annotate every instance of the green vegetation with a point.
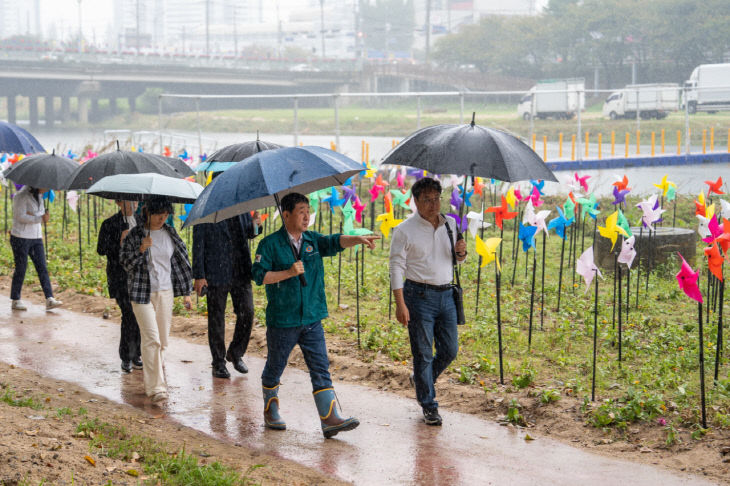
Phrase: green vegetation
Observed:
(171, 468)
(8, 397)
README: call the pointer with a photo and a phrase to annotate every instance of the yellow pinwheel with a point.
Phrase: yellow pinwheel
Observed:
(710, 211)
(664, 185)
(612, 229)
(488, 250)
(388, 222)
(511, 198)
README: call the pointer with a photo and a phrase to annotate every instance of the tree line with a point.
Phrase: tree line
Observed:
(665, 39)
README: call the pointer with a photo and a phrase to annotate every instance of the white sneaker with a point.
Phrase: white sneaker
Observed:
(18, 305)
(52, 303)
(159, 397)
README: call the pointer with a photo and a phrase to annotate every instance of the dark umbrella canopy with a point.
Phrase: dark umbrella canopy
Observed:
(16, 140)
(48, 171)
(239, 151)
(122, 162)
(470, 150)
(257, 181)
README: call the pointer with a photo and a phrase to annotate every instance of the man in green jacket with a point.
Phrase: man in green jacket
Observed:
(295, 310)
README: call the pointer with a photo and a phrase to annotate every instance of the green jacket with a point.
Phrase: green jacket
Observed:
(290, 304)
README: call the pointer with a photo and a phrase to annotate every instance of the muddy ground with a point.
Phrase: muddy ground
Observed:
(562, 420)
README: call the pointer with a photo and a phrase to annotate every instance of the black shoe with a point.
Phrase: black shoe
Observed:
(432, 417)
(127, 366)
(137, 363)
(221, 372)
(238, 364)
(412, 380)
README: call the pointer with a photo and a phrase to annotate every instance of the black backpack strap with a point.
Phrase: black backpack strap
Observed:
(453, 252)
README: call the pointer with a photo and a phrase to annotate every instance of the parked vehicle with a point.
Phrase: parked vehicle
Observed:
(556, 98)
(708, 88)
(651, 100)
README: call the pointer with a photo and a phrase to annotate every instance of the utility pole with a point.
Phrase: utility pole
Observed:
(321, 17)
(428, 30)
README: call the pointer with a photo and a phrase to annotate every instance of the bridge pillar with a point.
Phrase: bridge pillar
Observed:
(405, 85)
(113, 106)
(83, 109)
(50, 115)
(65, 108)
(132, 104)
(94, 109)
(12, 109)
(33, 111)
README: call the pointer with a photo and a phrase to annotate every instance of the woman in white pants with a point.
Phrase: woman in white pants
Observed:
(158, 270)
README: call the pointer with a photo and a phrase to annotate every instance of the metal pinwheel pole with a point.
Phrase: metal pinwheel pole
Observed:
(595, 335)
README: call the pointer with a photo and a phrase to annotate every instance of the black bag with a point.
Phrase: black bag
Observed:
(456, 288)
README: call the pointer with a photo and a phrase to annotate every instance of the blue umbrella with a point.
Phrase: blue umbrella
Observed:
(16, 140)
(260, 180)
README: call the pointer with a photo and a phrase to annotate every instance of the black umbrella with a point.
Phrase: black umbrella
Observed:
(470, 150)
(16, 140)
(239, 151)
(123, 162)
(48, 171)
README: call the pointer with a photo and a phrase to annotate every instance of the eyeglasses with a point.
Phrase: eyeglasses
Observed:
(430, 200)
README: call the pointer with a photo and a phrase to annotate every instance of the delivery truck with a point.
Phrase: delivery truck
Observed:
(554, 98)
(650, 100)
(708, 88)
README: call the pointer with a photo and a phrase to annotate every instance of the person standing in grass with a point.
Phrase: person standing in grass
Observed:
(111, 234)
(421, 269)
(294, 311)
(26, 240)
(158, 269)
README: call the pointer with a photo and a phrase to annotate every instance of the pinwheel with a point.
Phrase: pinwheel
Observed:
(387, 222)
(534, 197)
(203, 157)
(671, 193)
(664, 185)
(724, 239)
(467, 198)
(69, 155)
(456, 201)
(588, 205)
(622, 184)
(461, 222)
(369, 172)
(715, 187)
(628, 252)
(334, 199)
(582, 181)
(612, 230)
(313, 201)
(72, 197)
(478, 186)
(569, 208)
(586, 267)
(359, 207)
(401, 198)
(700, 206)
(186, 209)
(538, 185)
(501, 213)
(619, 195)
(560, 223)
(725, 208)
(400, 179)
(710, 211)
(510, 197)
(487, 250)
(388, 202)
(348, 226)
(375, 191)
(349, 193)
(527, 236)
(713, 230)
(166, 151)
(687, 280)
(651, 211)
(476, 221)
(714, 260)
(622, 222)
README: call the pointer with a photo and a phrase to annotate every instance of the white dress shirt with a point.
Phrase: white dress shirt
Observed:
(28, 212)
(420, 253)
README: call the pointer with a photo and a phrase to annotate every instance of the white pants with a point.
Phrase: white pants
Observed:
(154, 321)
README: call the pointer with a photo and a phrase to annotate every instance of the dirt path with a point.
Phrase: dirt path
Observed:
(463, 448)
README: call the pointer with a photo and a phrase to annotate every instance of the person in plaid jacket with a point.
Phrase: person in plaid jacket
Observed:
(156, 261)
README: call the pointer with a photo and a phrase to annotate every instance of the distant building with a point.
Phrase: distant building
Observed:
(20, 18)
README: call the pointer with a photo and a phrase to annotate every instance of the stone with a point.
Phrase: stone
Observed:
(663, 245)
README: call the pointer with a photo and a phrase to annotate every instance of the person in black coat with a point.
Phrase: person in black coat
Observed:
(112, 232)
(222, 265)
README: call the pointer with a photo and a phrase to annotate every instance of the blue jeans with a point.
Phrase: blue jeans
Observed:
(22, 249)
(279, 343)
(432, 321)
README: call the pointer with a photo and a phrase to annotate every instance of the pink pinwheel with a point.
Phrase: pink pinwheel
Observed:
(73, 198)
(535, 219)
(586, 267)
(687, 279)
(518, 194)
(651, 211)
(400, 179)
(628, 253)
(359, 207)
(375, 192)
(534, 197)
(582, 181)
(714, 229)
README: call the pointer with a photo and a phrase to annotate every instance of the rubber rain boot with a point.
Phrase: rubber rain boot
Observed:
(331, 422)
(271, 409)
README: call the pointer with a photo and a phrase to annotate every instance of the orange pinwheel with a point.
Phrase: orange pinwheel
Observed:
(622, 185)
(478, 186)
(388, 200)
(715, 186)
(714, 260)
(501, 212)
(380, 182)
(724, 239)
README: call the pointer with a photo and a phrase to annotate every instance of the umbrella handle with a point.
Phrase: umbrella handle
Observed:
(303, 280)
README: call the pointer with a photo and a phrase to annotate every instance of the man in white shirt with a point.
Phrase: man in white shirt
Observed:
(421, 270)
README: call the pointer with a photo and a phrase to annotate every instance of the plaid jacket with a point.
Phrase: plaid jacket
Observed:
(137, 266)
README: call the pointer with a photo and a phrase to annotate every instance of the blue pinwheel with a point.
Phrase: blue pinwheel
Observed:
(538, 185)
(560, 223)
(334, 199)
(527, 236)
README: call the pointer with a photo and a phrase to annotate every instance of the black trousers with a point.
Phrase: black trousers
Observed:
(242, 297)
(129, 341)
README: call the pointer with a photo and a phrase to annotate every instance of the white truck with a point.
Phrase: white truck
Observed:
(708, 88)
(556, 98)
(651, 101)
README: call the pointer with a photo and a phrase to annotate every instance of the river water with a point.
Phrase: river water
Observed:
(689, 179)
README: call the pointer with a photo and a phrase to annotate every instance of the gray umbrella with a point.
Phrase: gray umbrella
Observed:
(470, 150)
(239, 151)
(48, 171)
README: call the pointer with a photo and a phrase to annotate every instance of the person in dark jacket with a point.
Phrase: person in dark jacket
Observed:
(112, 232)
(222, 265)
